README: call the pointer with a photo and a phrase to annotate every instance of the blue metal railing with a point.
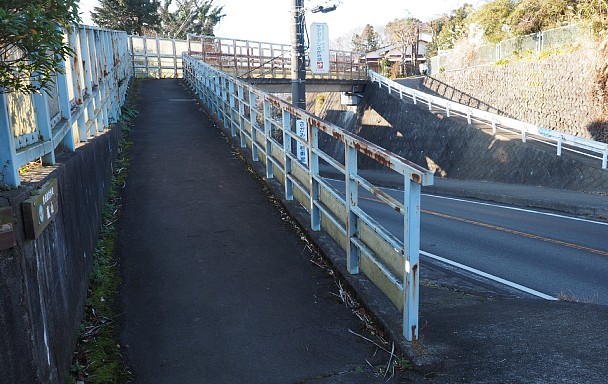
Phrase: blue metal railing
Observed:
(286, 139)
(82, 103)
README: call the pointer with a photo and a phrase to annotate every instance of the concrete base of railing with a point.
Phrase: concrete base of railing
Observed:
(43, 282)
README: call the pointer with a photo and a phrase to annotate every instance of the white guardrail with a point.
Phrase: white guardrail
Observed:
(286, 140)
(562, 141)
(81, 103)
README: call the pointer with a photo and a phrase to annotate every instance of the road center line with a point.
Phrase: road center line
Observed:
(516, 209)
(518, 233)
(489, 276)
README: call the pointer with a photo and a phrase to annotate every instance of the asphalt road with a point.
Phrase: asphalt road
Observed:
(556, 255)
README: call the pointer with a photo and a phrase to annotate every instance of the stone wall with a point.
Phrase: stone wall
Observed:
(454, 149)
(556, 92)
(43, 282)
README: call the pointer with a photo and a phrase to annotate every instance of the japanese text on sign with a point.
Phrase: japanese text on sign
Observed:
(319, 48)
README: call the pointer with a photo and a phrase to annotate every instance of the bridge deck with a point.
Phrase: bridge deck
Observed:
(217, 288)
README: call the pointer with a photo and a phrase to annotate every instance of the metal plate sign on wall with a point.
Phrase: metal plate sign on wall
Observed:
(40, 210)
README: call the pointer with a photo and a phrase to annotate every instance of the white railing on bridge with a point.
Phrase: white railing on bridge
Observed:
(79, 105)
(156, 58)
(159, 58)
(255, 59)
(526, 131)
(287, 139)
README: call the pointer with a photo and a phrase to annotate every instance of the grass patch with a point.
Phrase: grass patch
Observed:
(97, 358)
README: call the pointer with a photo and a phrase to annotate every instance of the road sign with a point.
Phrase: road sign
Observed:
(302, 149)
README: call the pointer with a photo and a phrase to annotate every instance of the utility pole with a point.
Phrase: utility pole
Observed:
(298, 58)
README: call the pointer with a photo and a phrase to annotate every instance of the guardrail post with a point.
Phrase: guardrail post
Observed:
(401, 93)
(411, 250)
(267, 136)
(430, 101)
(43, 123)
(9, 173)
(447, 109)
(523, 135)
(241, 116)
(352, 200)
(227, 104)
(253, 116)
(559, 145)
(414, 98)
(313, 148)
(286, 155)
(494, 126)
(469, 116)
(605, 160)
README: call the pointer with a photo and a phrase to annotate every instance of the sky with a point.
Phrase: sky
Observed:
(269, 20)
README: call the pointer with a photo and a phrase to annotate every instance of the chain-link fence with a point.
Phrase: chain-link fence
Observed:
(474, 55)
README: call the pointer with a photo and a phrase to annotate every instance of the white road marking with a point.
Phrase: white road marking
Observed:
(516, 209)
(489, 276)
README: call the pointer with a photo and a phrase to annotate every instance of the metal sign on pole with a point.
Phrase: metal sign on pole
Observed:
(319, 48)
(302, 150)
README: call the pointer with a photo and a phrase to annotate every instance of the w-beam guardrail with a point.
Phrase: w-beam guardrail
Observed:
(286, 139)
(255, 59)
(562, 141)
(80, 104)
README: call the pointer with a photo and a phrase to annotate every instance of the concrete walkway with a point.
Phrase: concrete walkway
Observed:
(216, 287)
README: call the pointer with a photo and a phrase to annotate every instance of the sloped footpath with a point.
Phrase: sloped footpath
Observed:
(218, 287)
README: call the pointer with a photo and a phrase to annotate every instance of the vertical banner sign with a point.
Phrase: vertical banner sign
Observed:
(319, 48)
(301, 148)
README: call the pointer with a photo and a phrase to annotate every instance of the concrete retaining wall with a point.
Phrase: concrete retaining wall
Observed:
(43, 283)
(557, 92)
(456, 150)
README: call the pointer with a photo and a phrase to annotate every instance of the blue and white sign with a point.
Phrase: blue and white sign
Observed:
(319, 48)
(301, 148)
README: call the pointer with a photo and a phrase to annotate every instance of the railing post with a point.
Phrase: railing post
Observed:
(559, 145)
(253, 116)
(469, 116)
(268, 135)
(43, 123)
(9, 171)
(411, 249)
(313, 148)
(286, 155)
(494, 126)
(352, 201)
(447, 109)
(605, 159)
(228, 102)
(241, 115)
(85, 50)
(523, 134)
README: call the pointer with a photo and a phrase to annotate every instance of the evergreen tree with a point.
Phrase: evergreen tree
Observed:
(368, 40)
(31, 44)
(132, 16)
(191, 16)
